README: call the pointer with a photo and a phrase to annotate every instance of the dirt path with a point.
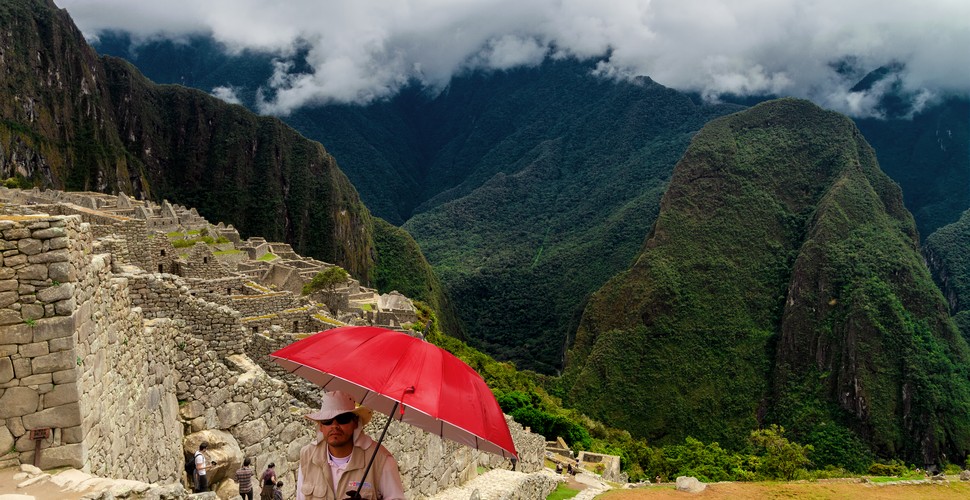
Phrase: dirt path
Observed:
(820, 490)
(42, 490)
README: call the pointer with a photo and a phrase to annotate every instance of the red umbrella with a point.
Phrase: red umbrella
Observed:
(386, 370)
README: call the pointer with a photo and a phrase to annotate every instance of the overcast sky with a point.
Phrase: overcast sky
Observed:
(366, 49)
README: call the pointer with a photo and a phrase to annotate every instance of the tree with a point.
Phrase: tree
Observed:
(325, 283)
(782, 458)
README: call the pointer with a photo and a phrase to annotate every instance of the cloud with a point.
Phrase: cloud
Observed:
(227, 94)
(363, 50)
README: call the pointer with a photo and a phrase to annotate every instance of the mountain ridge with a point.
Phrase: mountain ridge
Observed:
(717, 327)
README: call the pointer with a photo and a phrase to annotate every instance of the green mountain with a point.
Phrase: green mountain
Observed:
(526, 189)
(947, 254)
(529, 188)
(72, 120)
(927, 154)
(782, 283)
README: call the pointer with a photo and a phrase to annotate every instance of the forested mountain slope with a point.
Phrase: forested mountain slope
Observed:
(782, 283)
(507, 153)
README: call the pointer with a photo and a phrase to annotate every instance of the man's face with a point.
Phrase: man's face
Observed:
(339, 434)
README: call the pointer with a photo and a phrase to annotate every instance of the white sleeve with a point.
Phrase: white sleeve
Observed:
(391, 486)
(299, 483)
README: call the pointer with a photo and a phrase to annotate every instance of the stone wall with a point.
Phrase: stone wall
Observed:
(167, 296)
(121, 364)
(267, 303)
(38, 387)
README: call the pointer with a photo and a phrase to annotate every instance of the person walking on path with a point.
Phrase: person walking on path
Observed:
(244, 476)
(278, 492)
(332, 466)
(267, 482)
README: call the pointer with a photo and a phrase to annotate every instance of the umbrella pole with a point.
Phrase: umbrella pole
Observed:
(377, 448)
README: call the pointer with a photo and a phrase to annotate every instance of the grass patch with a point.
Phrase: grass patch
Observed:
(562, 492)
(226, 252)
(915, 476)
(268, 257)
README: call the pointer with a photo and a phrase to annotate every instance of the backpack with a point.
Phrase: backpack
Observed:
(190, 465)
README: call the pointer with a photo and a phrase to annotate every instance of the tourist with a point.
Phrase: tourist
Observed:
(267, 482)
(201, 466)
(332, 466)
(244, 476)
(278, 492)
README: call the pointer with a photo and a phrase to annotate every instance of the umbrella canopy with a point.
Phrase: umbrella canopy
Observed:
(436, 391)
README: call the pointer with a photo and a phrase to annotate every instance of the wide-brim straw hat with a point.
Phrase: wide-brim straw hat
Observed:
(336, 402)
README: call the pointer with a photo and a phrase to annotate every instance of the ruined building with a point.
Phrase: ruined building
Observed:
(131, 331)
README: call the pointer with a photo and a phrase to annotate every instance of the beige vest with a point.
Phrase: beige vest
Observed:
(318, 479)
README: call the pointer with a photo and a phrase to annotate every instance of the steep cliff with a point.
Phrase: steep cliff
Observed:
(782, 282)
(71, 120)
(56, 120)
(948, 257)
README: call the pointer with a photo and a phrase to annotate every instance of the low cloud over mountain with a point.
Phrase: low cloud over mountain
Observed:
(368, 49)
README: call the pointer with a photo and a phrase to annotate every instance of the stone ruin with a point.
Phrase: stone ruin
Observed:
(121, 351)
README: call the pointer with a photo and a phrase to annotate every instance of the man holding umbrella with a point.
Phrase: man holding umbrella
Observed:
(333, 466)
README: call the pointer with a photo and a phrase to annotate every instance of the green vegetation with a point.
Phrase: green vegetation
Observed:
(781, 284)
(562, 492)
(325, 283)
(268, 257)
(946, 251)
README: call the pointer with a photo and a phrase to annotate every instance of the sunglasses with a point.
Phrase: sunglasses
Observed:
(342, 419)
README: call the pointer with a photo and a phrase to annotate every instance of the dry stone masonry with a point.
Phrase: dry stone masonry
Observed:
(131, 331)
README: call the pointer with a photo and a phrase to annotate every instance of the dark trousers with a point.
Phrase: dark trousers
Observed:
(201, 483)
(247, 495)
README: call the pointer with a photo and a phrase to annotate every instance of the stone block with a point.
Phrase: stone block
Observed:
(16, 233)
(56, 293)
(69, 455)
(30, 246)
(64, 307)
(14, 261)
(8, 298)
(251, 432)
(45, 234)
(6, 439)
(8, 285)
(9, 317)
(37, 380)
(61, 255)
(57, 243)
(191, 410)
(18, 401)
(34, 349)
(53, 328)
(61, 344)
(68, 415)
(65, 376)
(55, 361)
(7, 273)
(62, 272)
(61, 395)
(21, 368)
(72, 435)
(32, 272)
(6, 371)
(16, 334)
(31, 312)
(16, 426)
(231, 414)
(8, 349)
